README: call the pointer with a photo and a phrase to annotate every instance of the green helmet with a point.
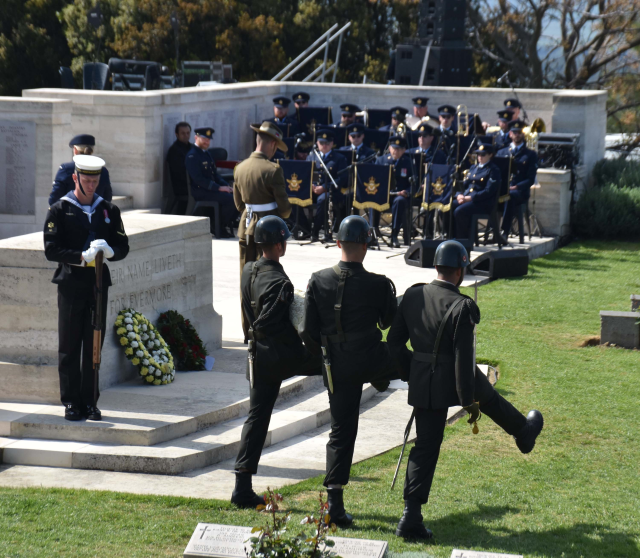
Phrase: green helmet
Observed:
(271, 230)
(354, 229)
(451, 254)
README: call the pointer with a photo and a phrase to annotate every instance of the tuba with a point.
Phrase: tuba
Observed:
(462, 120)
(532, 132)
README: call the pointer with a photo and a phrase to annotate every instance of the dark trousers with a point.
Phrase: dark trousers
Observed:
(249, 252)
(516, 198)
(430, 425)
(462, 216)
(75, 338)
(338, 211)
(399, 207)
(228, 211)
(262, 398)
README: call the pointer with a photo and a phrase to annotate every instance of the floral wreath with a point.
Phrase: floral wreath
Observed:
(183, 340)
(145, 347)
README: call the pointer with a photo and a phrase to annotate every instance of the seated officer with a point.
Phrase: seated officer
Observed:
(403, 174)
(207, 184)
(515, 106)
(502, 138)
(348, 115)
(420, 114)
(357, 151)
(175, 162)
(288, 124)
(82, 144)
(481, 188)
(523, 172)
(427, 146)
(398, 115)
(301, 99)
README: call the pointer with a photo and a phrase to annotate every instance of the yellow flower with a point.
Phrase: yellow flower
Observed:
(149, 378)
(157, 382)
(121, 331)
(135, 361)
(128, 351)
(119, 322)
(135, 328)
(144, 371)
(124, 341)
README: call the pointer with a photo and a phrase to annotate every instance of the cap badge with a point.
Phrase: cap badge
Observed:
(209, 133)
(50, 224)
(508, 103)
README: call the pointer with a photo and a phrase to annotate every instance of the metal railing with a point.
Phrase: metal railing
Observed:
(322, 71)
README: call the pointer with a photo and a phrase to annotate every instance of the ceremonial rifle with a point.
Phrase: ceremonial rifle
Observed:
(97, 324)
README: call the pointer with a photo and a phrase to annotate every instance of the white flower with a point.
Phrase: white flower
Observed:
(145, 337)
(165, 358)
(151, 369)
(152, 335)
(164, 377)
(139, 354)
(128, 320)
(127, 315)
(145, 362)
(158, 373)
(157, 343)
(134, 344)
(150, 344)
(144, 327)
(131, 335)
(129, 328)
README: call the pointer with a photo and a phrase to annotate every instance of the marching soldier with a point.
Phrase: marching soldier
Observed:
(403, 174)
(427, 146)
(82, 144)
(275, 349)
(77, 227)
(523, 176)
(441, 371)
(287, 124)
(398, 115)
(481, 189)
(259, 190)
(357, 151)
(344, 306)
(420, 114)
(502, 138)
(207, 184)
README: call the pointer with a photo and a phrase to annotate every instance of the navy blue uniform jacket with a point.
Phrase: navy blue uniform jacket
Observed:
(523, 168)
(63, 183)
(203, 173)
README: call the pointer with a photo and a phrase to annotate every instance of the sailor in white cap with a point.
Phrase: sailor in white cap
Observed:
(77, 227)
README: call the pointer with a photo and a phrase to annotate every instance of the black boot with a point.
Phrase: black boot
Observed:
(243, 495)
(526, 438)
(72, 412)
(410, 525)
(336, 508)
(92, 412)
(381, 385)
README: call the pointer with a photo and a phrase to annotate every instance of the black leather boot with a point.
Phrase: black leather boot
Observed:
(338, 514)
(72, 412)
(91, 412)
(526, 438)
(410, 525)
(243, 495)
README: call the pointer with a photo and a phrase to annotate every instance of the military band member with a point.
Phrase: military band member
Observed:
(401, 194)
(77, 227)
(357, 150)
(448, 126)
(502, 138)
(348, 115)
(207, 184)
(420, 114)
(176, 163)
(515, 106)
(344, 306)
(276, 351)
(442, 373)
(82, 144)
(301, 100)
(427, 144)
(481, 187)
(523, 172)
(288, 124)
(259, 190)
(398, 115)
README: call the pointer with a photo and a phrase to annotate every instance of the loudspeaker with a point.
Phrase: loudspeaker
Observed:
(442, 9)
(421, 253)
(501, 263)
(446, 66)
(442, 21)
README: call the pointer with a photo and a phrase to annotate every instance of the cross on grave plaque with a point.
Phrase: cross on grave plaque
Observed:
(477, 554)
(228, 541)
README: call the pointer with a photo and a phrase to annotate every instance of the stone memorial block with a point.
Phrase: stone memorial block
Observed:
(228, 541)
(620, 328)
(455, 553)
(17, 167)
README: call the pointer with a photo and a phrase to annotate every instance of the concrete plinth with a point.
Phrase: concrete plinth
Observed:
(550, 201)
(620, 328)
(169, 267)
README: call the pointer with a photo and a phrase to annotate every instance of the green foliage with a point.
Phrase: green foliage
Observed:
(623, 173)
(608, 213)
(183, 340)
(32, 45)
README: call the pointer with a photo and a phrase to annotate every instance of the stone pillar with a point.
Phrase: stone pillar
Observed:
(552, 197)
(620, 328)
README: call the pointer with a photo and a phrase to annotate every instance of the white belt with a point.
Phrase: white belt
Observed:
(258, 208)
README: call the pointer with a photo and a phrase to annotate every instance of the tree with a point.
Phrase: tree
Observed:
(32, 45)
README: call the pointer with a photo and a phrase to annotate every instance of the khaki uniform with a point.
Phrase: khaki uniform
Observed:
(258, 190)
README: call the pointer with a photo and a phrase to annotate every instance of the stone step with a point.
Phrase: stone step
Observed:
(123, 202)
(141, 415)
(292, 418)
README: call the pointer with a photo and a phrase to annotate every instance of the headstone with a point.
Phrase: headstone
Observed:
(455, 553)
(620, 329)
(17, 167)
(228, 541)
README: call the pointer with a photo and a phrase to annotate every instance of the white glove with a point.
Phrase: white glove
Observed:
(101, 244)
(90, 254)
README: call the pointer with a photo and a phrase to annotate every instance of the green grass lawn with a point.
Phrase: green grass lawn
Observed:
(577, 494)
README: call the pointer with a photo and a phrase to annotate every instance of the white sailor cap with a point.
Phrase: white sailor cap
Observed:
(88, 164)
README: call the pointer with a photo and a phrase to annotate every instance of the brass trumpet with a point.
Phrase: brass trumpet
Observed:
(462, 120)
